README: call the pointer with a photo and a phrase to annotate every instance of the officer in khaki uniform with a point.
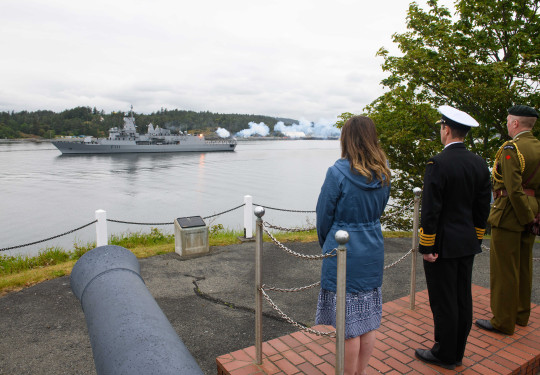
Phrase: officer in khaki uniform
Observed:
(516, 190)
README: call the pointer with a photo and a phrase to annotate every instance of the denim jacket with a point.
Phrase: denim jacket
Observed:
(348, 201)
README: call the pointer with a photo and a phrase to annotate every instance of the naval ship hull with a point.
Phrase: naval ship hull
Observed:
(96, 148)
(126, 140)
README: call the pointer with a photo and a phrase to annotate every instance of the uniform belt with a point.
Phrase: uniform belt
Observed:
(504, 193)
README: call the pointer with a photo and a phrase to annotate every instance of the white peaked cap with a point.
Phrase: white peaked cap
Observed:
(455, 115)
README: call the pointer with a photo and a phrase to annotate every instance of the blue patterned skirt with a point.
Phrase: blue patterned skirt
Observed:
(363, 311)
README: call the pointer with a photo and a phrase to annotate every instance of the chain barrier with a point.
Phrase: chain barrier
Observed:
(170, 223)
(112, 221)
(50, 238)
(283, 209)
(399, 260)
(332, 253)
(224, 212)
(311, 257)
(291, 290)
(401, 209)
(274, 306)
(266, 223)
(136, 223)
(291, 321)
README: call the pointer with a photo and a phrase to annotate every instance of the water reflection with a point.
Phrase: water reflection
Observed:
(58, 193)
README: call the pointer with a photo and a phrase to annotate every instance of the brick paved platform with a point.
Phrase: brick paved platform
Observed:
(401, 331)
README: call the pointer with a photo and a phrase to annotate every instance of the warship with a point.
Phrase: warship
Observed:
(127, 140)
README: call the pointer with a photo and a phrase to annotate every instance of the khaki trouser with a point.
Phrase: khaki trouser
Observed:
(511, 278)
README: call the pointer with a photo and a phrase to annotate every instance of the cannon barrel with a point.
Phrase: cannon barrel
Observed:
(128, 331)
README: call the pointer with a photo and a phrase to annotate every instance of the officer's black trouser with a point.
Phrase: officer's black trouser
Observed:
(450, 297)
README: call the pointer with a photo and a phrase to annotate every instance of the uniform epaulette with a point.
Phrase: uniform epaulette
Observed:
(508, 145)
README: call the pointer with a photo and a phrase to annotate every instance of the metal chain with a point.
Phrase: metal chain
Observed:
(170, 223)
(332, 253)
(50, 238)
(282, 209)
(292, 290)
(135, 223)
(290, 321)
(266, 223)
(399, 260)
(224, 212)
(305, 211)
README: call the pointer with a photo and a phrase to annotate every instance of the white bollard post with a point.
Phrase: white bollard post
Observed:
(101, 228)
(248, 216)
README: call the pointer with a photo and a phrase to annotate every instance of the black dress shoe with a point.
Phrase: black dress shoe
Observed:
(486, 324)
(428, 357)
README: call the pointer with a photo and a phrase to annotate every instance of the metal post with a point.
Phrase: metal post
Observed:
(248, 219)
(416, 217)
(342, 237)
(101, 228)
(259, 212)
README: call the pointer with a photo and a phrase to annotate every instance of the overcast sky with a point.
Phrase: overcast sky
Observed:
(309, 59)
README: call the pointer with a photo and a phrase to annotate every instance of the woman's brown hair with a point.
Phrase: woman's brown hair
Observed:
(360, 145)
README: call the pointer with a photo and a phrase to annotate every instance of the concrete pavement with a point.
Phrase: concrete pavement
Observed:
(208, 299)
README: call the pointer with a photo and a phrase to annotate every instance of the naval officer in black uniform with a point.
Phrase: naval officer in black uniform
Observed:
(455, 207)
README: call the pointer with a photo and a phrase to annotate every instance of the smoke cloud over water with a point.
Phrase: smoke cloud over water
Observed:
(261, 129)
(223, 133)
(321, 129)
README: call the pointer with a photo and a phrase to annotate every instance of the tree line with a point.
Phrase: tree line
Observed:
(96, 123)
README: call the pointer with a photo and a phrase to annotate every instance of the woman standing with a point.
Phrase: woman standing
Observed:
(353, 198)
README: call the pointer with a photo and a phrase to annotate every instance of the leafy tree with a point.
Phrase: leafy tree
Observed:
(482, 60)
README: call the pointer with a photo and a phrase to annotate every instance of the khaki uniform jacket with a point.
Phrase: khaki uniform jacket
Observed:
(513, 211)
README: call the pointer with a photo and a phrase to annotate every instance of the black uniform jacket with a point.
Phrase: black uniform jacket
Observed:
(455, 203)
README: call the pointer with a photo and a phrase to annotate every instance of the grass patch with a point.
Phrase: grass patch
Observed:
(309, 236)
(136, 239)
(49, 257)
(396, 234)
(17, 272)
(23, 279)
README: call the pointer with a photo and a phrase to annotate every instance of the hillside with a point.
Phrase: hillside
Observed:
(92, 122)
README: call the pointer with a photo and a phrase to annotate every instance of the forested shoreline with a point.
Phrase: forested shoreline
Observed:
(89, 121)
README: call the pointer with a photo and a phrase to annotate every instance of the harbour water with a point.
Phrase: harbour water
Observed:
(43, 193)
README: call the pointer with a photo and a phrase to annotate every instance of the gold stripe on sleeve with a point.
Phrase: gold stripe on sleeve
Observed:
(480, 233)
(427, 239)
